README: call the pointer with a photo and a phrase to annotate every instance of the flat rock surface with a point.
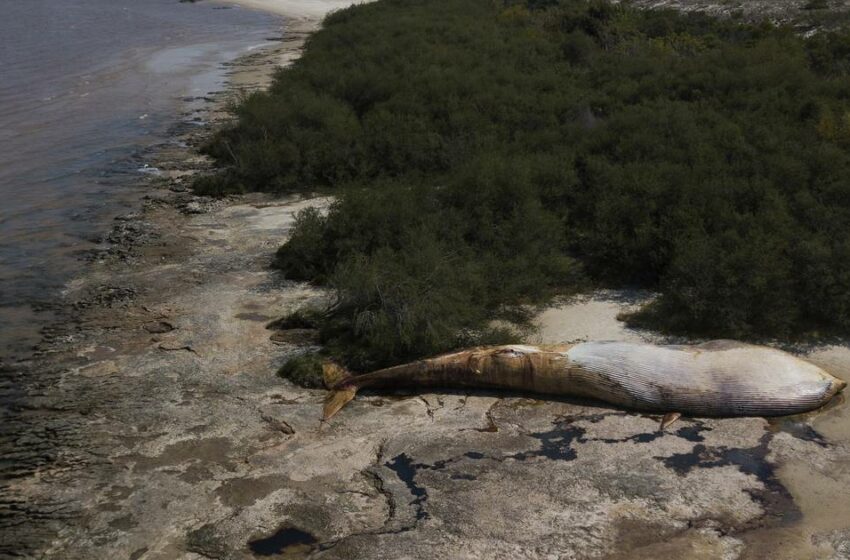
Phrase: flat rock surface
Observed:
(187, 445)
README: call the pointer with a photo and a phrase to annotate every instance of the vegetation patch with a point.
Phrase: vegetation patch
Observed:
(304, 370)
(305, 318)
(488, 154)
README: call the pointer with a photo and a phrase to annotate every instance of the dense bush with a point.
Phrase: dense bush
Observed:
(480, 149)
(418, 270)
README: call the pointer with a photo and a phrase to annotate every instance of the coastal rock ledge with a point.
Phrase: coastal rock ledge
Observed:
(181, 442)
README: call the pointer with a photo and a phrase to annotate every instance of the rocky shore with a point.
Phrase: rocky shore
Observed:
(153, 425)
(804, 15)
(45, 434)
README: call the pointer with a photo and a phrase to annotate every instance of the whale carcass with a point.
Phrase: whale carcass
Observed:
(718, 378)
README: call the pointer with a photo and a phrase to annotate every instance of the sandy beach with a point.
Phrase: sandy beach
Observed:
(158, 428)
(298, 9)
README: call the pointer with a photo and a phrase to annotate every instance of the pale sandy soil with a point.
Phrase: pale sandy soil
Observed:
(307, 9)
(590, 317)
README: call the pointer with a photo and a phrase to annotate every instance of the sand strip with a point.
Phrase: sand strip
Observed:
(299, 9)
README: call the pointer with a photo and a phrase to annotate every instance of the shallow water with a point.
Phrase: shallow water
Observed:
(86, 86)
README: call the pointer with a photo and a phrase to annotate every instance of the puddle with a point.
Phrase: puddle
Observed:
(555, 444)
(798, 429)
(777, 501)
(694, 432)
(286, 542)
(405, 469)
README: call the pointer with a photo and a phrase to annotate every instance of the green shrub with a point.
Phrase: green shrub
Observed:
(304, 370)
(301, 257)
(417, 271)
(485, 155)
(217, 185)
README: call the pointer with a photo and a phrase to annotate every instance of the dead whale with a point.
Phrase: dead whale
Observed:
(718, 378)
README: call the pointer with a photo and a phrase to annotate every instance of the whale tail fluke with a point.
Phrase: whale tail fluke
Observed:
(342, 389)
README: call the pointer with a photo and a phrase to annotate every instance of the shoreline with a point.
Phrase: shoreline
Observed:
(161, 431)
(34, 383)
(306, 10)
(79, 136)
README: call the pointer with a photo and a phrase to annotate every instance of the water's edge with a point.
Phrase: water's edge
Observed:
(84, 113)
(44, 425)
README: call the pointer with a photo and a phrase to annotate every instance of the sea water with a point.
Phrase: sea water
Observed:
(86, 86)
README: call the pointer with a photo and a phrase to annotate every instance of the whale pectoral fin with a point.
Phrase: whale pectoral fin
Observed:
(668, 419)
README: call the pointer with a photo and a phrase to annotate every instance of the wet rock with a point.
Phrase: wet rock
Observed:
(106, 296)
(158, 197)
